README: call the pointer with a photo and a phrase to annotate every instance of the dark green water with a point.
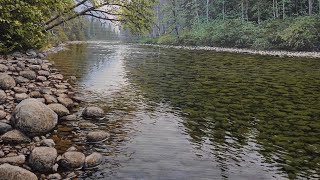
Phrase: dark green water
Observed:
(180, 114)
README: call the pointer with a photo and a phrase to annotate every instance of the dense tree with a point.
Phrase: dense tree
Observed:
(26, 23)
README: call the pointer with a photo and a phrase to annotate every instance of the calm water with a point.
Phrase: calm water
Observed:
(179, 114)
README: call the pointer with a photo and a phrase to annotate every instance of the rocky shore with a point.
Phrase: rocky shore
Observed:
(243, 51)
(34, 98)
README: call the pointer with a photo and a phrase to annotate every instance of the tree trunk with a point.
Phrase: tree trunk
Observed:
(242, 10)
(274, 9)
(283, 9)
(310, 2)
(207, 11)
(259, 14)
(223, 10)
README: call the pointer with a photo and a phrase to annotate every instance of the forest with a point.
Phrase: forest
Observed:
(256, 24)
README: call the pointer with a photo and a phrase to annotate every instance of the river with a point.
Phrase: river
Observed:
(183, 114)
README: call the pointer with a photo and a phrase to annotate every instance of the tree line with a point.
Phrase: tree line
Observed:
(258, 24)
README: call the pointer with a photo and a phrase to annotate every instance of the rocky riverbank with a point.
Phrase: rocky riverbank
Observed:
(243, 51)
(34, 98)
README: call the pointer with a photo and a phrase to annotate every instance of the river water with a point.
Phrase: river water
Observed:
(181, 114)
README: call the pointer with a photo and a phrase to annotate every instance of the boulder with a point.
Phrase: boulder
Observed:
(93, 160)
(4, 127)
(93, 112)
(3, 97)
(31, 75)
(59, 109)
(3, 68)
(42, 159)
(97, 136)
(14, 136)
(72, 160)
(14, 160)
(33, 117)
(9, 172)
(6, 81)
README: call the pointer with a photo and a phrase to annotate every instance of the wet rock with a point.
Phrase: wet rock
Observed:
(93, 160)
(4, 127)
(48, 143)
(50, 99)
(72, 160)
(71, 117)
(21, 97)
(13, 160)
(59, 109)
(21, 79)
(31, 75)
(20, 90)
(93, 112)
(3, 68)
(2, 114)
(97, 136)
(3, 97)
(54, 176)
(6, 81)
(14, 136)
(33, 117)
(85, 125)
(42, 159)
(9, 172)
(67, 102)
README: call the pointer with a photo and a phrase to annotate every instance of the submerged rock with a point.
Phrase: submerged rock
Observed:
(42, 159)
(97, 136)
(9, 172)
(93, 160)
(72, 160)
(93, 112)
(6, 81)
(33, 117)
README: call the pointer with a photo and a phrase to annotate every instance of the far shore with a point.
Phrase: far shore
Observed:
(243, 51)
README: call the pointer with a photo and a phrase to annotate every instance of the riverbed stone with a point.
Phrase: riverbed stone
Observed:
(44, 73)
(3, 97)
(42, 159)
(60, 109)
(41, 78)
(93, 160)
(35, 94)
(93, 112)
(50, 99)
(85, 125)
(72, 160)
(4, 127)
(47, 142)
(67, 102)
(13, 160)
(31, 75)
(71, 117)
(14, 136)
(20, 97)
(3, 114)
(3, 68)
(55, 176)
(33, 117)
(21, 79)
(10, 172)
(20, 90)
(6, 81)
(97, 136)
(35, 67)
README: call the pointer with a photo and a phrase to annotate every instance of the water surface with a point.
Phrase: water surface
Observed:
(180, 114)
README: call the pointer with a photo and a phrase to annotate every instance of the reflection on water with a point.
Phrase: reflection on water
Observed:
(178, 114)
